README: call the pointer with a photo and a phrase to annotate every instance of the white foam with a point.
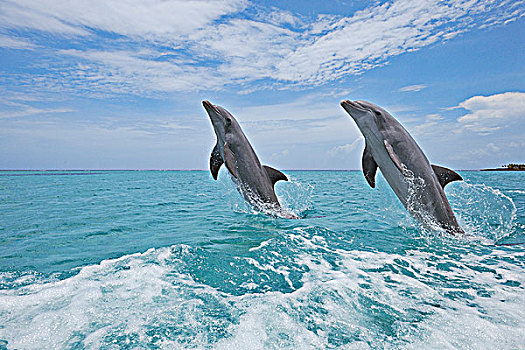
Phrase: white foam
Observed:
(115, 299)
(346, 298)
(517, 191)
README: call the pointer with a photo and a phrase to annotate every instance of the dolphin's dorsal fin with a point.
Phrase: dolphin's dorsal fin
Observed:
(274, 174)
(216, 162)
(229, 159)
(369, 167)
(395, 158)
(445, 175)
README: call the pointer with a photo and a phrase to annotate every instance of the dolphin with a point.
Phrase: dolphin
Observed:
(418, 184)
(254, 181)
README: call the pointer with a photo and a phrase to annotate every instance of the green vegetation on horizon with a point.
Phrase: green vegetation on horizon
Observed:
(514, 166)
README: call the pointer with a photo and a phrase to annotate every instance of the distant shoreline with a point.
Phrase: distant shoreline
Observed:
(501, 169)
(107, 170)
(92, 171)
(507, 167)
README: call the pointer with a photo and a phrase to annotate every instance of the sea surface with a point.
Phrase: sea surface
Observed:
(174, 259)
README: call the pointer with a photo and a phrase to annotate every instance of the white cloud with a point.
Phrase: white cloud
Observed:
(346, 148)
(183, 45)
(489, 114)
(312, 121)
(12, 108)
(152, 19)
(138, 72)
(351, 45)
(15, 43)
(73, 143)
(488, 135)
(248, 50)
(32, 111)
(279, 155)
(412, 88)
(307, 107)
(433, 125)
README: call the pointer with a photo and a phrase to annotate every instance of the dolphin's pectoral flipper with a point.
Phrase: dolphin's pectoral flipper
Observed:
(274, 174)
(369, 167)
(445, 175)
(216, 162)
(229, 159)
(395, 158)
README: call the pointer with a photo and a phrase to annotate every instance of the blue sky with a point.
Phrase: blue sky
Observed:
(118, 84)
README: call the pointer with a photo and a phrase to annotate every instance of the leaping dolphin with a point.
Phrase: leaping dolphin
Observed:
(254, 181)
(418, 184)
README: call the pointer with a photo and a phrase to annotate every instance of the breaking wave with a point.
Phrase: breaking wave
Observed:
(304, 289)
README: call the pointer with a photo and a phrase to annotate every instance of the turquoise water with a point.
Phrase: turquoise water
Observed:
(169, 259)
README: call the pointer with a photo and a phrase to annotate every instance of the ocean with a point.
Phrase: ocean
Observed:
(173, 259)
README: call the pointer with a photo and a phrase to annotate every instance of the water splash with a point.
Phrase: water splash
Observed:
(429, 226)
(416, 185)
(294, 196)
(483, 211)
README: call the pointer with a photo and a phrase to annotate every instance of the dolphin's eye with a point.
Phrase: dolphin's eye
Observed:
(377, 113)
(228, 121)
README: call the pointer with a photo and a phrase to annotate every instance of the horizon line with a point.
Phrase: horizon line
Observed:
(153, 169)
(130, 169)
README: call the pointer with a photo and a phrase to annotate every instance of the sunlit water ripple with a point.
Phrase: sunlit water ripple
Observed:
(165, 259)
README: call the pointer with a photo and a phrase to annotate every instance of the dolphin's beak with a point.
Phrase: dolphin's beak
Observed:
(216, 117)
(212, 113)
(210, 109)
(351, 105)
(207, 105)
(353, 108)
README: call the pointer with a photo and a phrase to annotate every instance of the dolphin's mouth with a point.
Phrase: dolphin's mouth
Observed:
(212, 110)
(353, 105)
(215, 116)
(208, 106)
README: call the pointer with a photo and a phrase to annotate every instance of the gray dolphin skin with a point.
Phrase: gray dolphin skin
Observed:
(418, 184)
(254, 181)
